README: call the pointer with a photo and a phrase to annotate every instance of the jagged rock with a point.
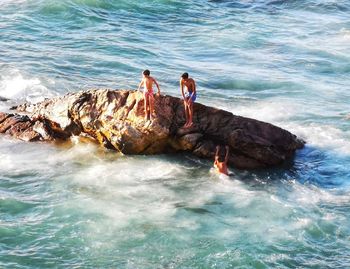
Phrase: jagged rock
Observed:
(19, 126)
(116, 120)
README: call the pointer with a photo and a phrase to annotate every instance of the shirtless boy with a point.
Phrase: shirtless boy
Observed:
(147, 83)
(221, 166)
(189, 97)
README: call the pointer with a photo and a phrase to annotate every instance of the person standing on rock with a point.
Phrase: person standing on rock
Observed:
(189, 97)
(147, 83)
(219, 164)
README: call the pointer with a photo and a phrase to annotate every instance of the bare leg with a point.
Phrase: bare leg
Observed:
(145, 104)
(151, 106)
(146, 107)
(186, 113)
(190, 114)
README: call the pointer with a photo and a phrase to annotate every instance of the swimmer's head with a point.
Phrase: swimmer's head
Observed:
(184, 75)
(146, 72)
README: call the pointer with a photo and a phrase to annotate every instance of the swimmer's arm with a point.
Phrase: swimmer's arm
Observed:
(227, 153)
(216, 155)
(155, 82)
(194, 87)
(182, 89)
(193, 92)
(140, 85)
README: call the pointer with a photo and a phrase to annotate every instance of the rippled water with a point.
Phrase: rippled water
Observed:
(77, 205)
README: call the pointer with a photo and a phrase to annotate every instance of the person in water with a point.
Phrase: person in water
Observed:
(219, 164)
(189, 97)
(147, 83)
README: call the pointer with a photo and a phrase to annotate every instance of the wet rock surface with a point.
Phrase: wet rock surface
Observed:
(115, 118)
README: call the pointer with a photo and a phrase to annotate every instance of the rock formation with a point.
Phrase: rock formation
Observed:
(115, 119)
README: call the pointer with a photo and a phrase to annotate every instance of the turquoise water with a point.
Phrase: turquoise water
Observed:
(79, 206)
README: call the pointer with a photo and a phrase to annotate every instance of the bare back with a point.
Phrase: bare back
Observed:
(148, 84)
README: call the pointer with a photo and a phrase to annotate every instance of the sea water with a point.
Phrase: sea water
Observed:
(77, 205)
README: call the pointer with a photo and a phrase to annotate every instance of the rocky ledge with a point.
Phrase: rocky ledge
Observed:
(115, 119)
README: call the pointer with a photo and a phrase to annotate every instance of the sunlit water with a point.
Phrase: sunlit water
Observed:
(77, 205)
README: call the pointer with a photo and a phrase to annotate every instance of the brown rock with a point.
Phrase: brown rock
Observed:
(9, 122)
(4, 116)
(116, 120)
(19, 126)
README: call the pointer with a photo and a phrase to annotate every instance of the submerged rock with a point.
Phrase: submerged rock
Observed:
(116, 120)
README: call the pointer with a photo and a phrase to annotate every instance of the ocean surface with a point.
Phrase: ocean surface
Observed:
(77, 205)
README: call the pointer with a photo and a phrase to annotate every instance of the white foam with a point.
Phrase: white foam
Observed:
(345, 34)
(127, 189)
(338, 43)
(4, 3)
(271, 110)
(273, 258)
(322, 136)
(14, 85)
(310, 195)
(302, 223)
(131, 191)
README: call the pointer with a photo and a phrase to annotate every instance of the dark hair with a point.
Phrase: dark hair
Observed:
(221, 158)
(184, 75)
(146, 72)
